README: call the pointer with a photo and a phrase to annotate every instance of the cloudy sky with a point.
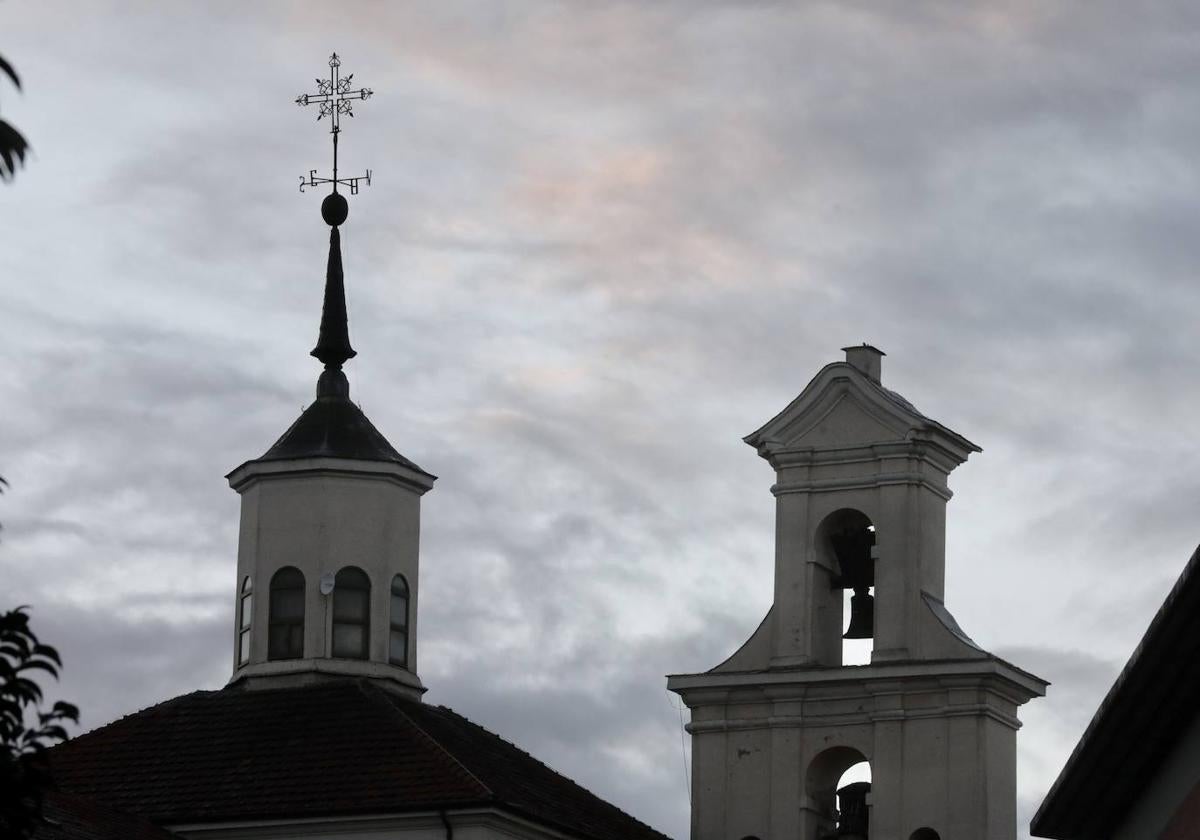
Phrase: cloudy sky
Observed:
(604, 241)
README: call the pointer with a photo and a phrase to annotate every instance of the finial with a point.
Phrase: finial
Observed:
(334, 99)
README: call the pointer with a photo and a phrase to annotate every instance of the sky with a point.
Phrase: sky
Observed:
(603, 241)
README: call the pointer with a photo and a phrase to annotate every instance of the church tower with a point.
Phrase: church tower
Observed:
(860, 498)
(327, 572)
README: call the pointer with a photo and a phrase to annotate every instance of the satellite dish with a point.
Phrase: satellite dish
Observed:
(326, 583)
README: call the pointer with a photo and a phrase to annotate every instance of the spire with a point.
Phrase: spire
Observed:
(333, 344)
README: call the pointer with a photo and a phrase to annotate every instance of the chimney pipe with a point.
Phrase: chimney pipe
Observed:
(866, 358)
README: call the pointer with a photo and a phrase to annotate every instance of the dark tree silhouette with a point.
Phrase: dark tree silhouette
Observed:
(13, 146)
(24, 774)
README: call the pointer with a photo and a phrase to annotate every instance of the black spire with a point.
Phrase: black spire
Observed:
(333, 344)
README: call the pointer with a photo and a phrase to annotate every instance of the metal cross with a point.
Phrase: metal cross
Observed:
(334, 99)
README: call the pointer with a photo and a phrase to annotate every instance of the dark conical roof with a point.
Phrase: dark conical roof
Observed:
(334, 427)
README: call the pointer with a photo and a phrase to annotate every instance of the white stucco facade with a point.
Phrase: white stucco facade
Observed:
(775, 726)
(319, 516)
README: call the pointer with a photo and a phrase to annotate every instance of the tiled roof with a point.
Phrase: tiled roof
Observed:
(70, 817)
(337, 748)
(1154, 699)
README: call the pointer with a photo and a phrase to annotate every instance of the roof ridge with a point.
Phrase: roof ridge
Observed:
(541, 763)
(387, 700)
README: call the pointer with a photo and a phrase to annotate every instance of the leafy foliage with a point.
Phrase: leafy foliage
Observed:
(13, 146)
(24, 774)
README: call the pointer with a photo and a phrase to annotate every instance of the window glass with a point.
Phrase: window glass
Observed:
(398, 647)
(398, 640)
(246, 608)
(285, 630)
(349, 605)
(351, 613)
(400, 610)
(348, 641)
(288, 605)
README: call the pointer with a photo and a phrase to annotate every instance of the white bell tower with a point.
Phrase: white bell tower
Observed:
(860, 497)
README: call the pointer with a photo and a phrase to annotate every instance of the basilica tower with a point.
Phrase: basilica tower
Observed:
(860, 498)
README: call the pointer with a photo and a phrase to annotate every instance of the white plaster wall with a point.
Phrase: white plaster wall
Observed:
(940, 737)
(322, 520)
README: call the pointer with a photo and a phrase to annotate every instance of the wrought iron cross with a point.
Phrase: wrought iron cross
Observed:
(334, 99)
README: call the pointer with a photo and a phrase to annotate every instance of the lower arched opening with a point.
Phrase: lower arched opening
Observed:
(838, 782)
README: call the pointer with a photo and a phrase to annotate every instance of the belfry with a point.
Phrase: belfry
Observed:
(860, 498)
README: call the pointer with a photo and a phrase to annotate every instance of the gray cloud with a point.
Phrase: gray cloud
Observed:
(603, 242)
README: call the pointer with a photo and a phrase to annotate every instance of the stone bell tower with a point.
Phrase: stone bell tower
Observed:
(860, 498)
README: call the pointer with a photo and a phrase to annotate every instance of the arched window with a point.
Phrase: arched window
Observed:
(925, 834)
(835, 781)
(398, 638)
(351, 613)
(245, 613)
(285, 629)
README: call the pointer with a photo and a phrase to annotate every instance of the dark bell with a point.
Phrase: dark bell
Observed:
(334, 209)
(853, 815)
(862, 616)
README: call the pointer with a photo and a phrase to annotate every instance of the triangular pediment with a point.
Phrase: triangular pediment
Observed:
(845, 421)
(843, 408)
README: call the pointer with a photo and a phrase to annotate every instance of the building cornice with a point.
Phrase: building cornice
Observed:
(250, 472)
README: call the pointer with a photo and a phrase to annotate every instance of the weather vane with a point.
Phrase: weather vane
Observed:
(334, 99)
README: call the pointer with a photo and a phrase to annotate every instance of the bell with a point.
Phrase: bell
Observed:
(853, 815)
(862, 616)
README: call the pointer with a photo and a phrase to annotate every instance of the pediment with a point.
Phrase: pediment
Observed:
(846, 422)
(841, 408)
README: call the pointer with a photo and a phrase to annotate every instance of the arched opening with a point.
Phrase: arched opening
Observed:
(853, 808)
(285, 626)
(846, 545)
(924, 834)
(351, 613)
(398, 635)
(837, 783)
(245, 616)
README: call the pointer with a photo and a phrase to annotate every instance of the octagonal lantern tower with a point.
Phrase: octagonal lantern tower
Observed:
(328, 551)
